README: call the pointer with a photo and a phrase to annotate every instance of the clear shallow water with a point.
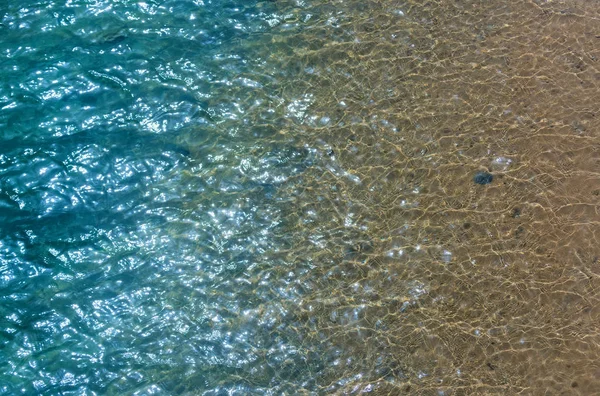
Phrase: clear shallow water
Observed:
(278, 197)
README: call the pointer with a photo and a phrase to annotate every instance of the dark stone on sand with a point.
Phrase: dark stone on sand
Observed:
(483, 178)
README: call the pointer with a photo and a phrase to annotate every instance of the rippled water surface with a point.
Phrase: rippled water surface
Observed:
(309, 196)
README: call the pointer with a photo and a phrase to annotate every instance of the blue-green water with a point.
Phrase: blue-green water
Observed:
(142, 233)
(167, 224)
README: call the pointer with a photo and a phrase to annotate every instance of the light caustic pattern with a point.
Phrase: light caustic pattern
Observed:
(459, 288)
(279, 197)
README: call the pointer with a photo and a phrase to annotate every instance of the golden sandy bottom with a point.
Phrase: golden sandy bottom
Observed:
(456, 287)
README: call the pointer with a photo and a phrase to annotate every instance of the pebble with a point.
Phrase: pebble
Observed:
(483, 178)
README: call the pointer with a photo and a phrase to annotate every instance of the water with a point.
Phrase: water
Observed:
(260, 197)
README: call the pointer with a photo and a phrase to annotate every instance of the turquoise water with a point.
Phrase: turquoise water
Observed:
(143, 234)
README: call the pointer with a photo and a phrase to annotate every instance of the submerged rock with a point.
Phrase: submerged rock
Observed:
(483, 178)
